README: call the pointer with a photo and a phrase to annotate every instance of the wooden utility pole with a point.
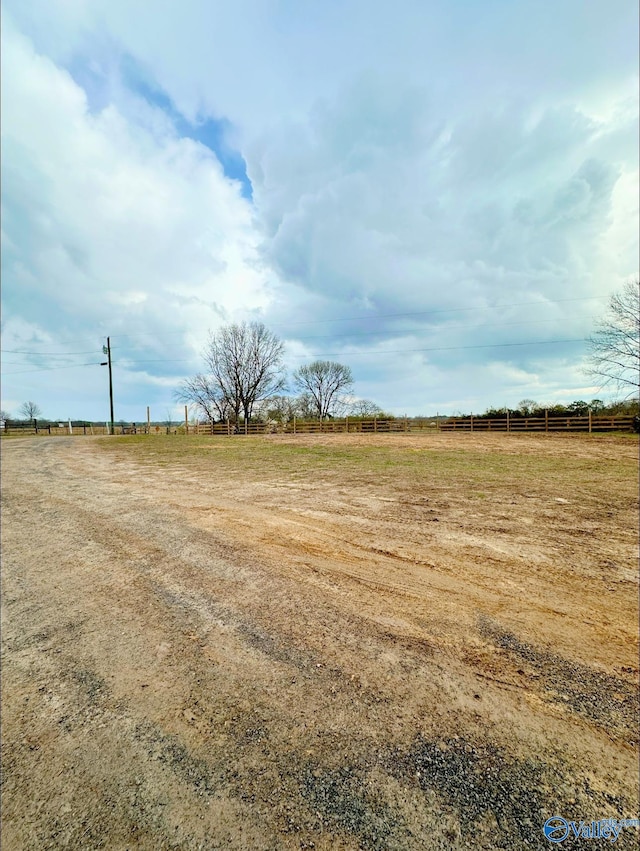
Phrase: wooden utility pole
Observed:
(110, 384)
(107, 351)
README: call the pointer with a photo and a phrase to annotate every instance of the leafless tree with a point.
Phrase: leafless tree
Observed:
(527, 407)
(244, 366)
(326, 383)
(614, 348)
(281, 408)
(29, 411)
(202, 392)
(365, 408)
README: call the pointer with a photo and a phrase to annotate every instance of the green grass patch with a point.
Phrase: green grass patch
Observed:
(259, 459)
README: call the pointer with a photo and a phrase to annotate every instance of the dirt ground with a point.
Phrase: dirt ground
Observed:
(388, 642)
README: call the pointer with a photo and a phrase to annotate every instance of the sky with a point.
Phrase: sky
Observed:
(440, 194)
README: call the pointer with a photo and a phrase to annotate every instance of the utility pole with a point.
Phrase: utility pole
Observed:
(107, 351)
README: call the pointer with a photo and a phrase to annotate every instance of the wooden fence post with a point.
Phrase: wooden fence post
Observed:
(294, 425)
(186, 420)
(375, 424)
(589, 421)
(148, 420)
(546, 419)
(346, 424)
(508, 423)
(471, 422)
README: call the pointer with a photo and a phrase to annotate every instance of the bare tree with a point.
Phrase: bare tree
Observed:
(365, 408)
(4, 416)
(281, 408)
(326, 382)
(202, 392)
(244, 366)
(29, 411)
(527, 407)
(614, 356)
(305, 406)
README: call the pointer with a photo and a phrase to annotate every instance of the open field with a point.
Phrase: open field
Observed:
(329, 642)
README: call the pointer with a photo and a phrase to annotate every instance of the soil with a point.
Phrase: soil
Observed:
(338, 642)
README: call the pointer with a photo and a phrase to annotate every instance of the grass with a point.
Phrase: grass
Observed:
(479, 469)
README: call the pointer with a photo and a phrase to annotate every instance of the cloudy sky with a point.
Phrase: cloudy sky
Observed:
(441, 194)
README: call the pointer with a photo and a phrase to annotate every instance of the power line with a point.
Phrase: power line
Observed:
(50, 368)
(53, 354)
(337, 319)
(440, 310)
(407, 331)
(441, 348)
(127, 362)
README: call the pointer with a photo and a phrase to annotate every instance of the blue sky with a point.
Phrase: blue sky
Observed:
(442, 195)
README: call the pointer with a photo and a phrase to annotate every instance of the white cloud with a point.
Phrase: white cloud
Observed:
(108, 228)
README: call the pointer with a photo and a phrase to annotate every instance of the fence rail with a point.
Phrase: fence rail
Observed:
(377, 425)
(545, 424)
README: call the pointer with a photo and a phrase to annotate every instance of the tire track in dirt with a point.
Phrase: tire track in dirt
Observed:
(174, 686)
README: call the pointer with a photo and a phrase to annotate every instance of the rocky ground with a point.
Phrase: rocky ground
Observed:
(340, 642)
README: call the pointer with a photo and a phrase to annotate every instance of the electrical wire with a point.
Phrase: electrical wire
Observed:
(50, 368)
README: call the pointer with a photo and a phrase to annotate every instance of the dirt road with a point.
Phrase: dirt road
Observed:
(316, 644)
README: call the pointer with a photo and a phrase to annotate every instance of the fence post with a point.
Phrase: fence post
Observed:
(148, 420)
(546, 419)
(294, 425)
(589, 421)
(471, 422)
(346, 424)
(186, 420)
(437, 421)
(246, 426)
(375, 424)
(508, 423)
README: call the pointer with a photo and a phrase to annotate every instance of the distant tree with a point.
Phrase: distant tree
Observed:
(306, 407)
(326, 382)
(29, 411)
(614, 348)
(281, 408)
(527, 406)
(579, 408)
(244, 367)
(4, 416)
(365, 408)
